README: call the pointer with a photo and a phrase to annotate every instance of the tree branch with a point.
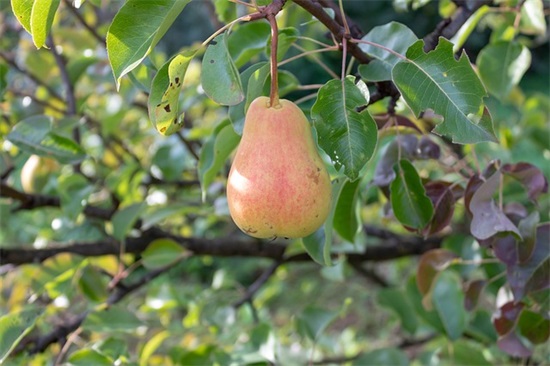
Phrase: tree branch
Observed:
(82, 21)
(260, 281)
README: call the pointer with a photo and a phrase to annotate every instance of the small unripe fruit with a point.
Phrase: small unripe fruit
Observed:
(278, 185)
(36, 172)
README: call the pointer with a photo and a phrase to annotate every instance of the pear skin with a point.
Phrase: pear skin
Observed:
(278, 185)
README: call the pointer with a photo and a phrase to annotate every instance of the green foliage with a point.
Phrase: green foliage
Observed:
(435, 250)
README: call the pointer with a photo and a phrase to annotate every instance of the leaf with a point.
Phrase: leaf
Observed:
(163, 102)
(393, 35)
(396, 300)
(346, 216)
(450, 88)
(415, 298)
(136, 29)
(530, 176)
(247, 41)
(237, 112)
(151, 346)
(319, 244)
(488, 219)
(431, 264)
(88, 356)
(74, 191)
(448, 300)
(123, 220)
(468, 27)
(13, 327)
(534, 326)
(471, 295)
(404, 145)
(533, 274)
(409, 202)
(22, 10)
(78, 65)
(501, 66)
(42, 14)
(219, 76)
(92, 284)
(348, 137)
(215, 152)
(466, 352)
(312, 321)
(505, 322)
(114, 319)
(443, 201)
(383, 356)
(256, 83)
(532, 18)
(528, 229)
(161, 253)
(34, 136)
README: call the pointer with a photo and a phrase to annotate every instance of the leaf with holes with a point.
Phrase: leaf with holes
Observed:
(347, 136)
(135, 31)
(163, 103)
(409, 202)
(450, 88)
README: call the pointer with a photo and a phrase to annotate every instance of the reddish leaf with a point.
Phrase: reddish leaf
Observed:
(488, 219)
(515, 211)
(384, 121)
(473, 291)
(473, 185)
(533, 274)
(505, 319)
(428, 149)
(404, 145)
(443, 202)
(530, 176)
(512, 344)
(505, 249)
(429, 266)
(528, 229)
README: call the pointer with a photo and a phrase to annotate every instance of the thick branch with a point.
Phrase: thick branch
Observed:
(392, 247)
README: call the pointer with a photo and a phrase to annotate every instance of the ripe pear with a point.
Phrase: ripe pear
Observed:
(36, 172)
(278, 185)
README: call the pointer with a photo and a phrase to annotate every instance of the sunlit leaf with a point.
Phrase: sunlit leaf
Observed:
(450, 88)
(163, 102)
(135, 31)
(88, 356)
(42, 14)
(13, 327)
(22, 10)
(114, 319)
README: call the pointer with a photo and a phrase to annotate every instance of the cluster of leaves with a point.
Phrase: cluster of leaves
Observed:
(391, 130)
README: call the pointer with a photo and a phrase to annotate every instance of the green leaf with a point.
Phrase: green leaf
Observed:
(92, 284)
(34, 135)
(319, 244)
(312, 321)
(219, 77)
(256, 83)
(162, 252)
(114, 319)
(287, 36)
(346, 216)
(42, 14)
(465, 352)
(78, 65)
(450, 88)
(467, 28)
(448, 301)
(415, 298)
(135, 31)
(74, 191)
(395, 36)
(247, 41)
(163, 102)
(151, 346)
(502, 65)
(3, 82)
(396, 300)
(123, 220)
(13, 327)
(237, 112)
(348, 137)
(409, 202)
(22, 10)
(215, 152)
(88, 356)
(384, 356)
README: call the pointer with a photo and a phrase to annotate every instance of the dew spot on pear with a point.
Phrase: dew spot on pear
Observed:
(314, 177)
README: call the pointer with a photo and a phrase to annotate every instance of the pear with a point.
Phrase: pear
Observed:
(278, 185)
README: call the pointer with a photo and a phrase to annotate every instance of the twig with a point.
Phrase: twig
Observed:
(370, 274)
(82, 21)
(274, 88)
(256, 285)
(188, 145)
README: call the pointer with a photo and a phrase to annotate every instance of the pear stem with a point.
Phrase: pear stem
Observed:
(274, 91)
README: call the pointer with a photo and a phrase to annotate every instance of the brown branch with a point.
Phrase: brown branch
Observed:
(256, 285)
(82, 21)
(392, 247)
(370, 274)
